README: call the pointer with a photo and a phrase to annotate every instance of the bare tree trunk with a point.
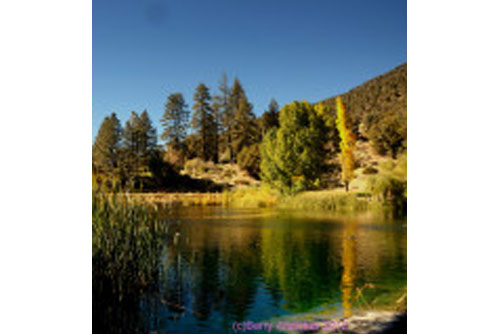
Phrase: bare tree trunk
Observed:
(347, 186)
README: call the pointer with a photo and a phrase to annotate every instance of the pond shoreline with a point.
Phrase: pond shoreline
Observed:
(257, 198)
(177, 199)
(365, 322)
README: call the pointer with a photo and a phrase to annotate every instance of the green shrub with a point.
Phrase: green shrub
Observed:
(252, 197)
(249, 159)
(339, 202)
(389, 191)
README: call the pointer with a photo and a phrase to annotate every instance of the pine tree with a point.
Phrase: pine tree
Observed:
(227, 118)
(222, 113)
(131, 135)
(140, 140)
(347, 144)
(175, 121)
(205, 123)
(270, 117)
(243, 128)
(105, 151)
(149, 136)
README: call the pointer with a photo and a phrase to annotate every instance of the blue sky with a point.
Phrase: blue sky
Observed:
(143, 50)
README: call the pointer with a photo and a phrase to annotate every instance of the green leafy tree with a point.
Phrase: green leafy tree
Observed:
(205, 123)
(329, 116)
(106, 148)
(293, 156)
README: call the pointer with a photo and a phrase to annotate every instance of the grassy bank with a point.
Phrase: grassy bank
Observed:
(328, 200)
(335, 200)
(174, 200)
(374, 189)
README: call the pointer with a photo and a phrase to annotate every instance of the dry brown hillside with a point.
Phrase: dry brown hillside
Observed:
(382, 94)
(378, 110)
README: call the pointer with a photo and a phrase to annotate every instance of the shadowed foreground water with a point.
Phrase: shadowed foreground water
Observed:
(222, 266)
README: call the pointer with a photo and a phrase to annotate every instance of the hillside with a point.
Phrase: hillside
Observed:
(384, 93)
(378, 110)
(211, 161)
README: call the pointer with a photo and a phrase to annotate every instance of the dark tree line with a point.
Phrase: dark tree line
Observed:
(220, 128)
(126, 153)
(286, 148)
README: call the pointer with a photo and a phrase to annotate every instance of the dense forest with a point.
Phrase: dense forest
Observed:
(293, 148)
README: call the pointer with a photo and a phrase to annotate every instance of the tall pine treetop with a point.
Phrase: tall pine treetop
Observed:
(107, 143)
(175, 120)
(204, 121)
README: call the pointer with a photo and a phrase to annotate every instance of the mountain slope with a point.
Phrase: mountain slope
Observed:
(387, 92)
(378, 110)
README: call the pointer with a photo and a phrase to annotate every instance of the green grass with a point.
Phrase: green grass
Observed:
(251, 197)
(387, 199)
(327, 201)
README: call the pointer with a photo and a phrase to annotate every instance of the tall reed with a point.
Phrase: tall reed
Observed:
(127, 241)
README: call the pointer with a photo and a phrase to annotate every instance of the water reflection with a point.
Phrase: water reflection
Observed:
(257, 267)
(349, 266)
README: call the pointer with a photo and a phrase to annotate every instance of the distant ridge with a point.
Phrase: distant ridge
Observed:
(384, 93)
(378, 111)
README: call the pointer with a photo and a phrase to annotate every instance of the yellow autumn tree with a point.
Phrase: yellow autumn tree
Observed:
(347, 144)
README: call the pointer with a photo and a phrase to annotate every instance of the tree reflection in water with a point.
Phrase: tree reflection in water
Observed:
(225, 270)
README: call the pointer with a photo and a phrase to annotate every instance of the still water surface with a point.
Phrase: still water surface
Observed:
(222, 266)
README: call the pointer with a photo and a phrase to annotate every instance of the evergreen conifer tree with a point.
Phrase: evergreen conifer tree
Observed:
(204, 122)
(175, 121)
(106, 148)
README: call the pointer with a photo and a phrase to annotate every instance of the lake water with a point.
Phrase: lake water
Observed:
(223, 266)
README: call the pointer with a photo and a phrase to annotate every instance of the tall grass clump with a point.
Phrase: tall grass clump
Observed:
(127, 241)
(327, 201)
(251, 197)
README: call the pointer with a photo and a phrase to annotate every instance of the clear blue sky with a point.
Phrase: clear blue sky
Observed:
(144, 50)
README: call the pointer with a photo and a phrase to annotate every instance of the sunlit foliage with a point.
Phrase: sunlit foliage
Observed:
(347, 144)
(293, 156)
